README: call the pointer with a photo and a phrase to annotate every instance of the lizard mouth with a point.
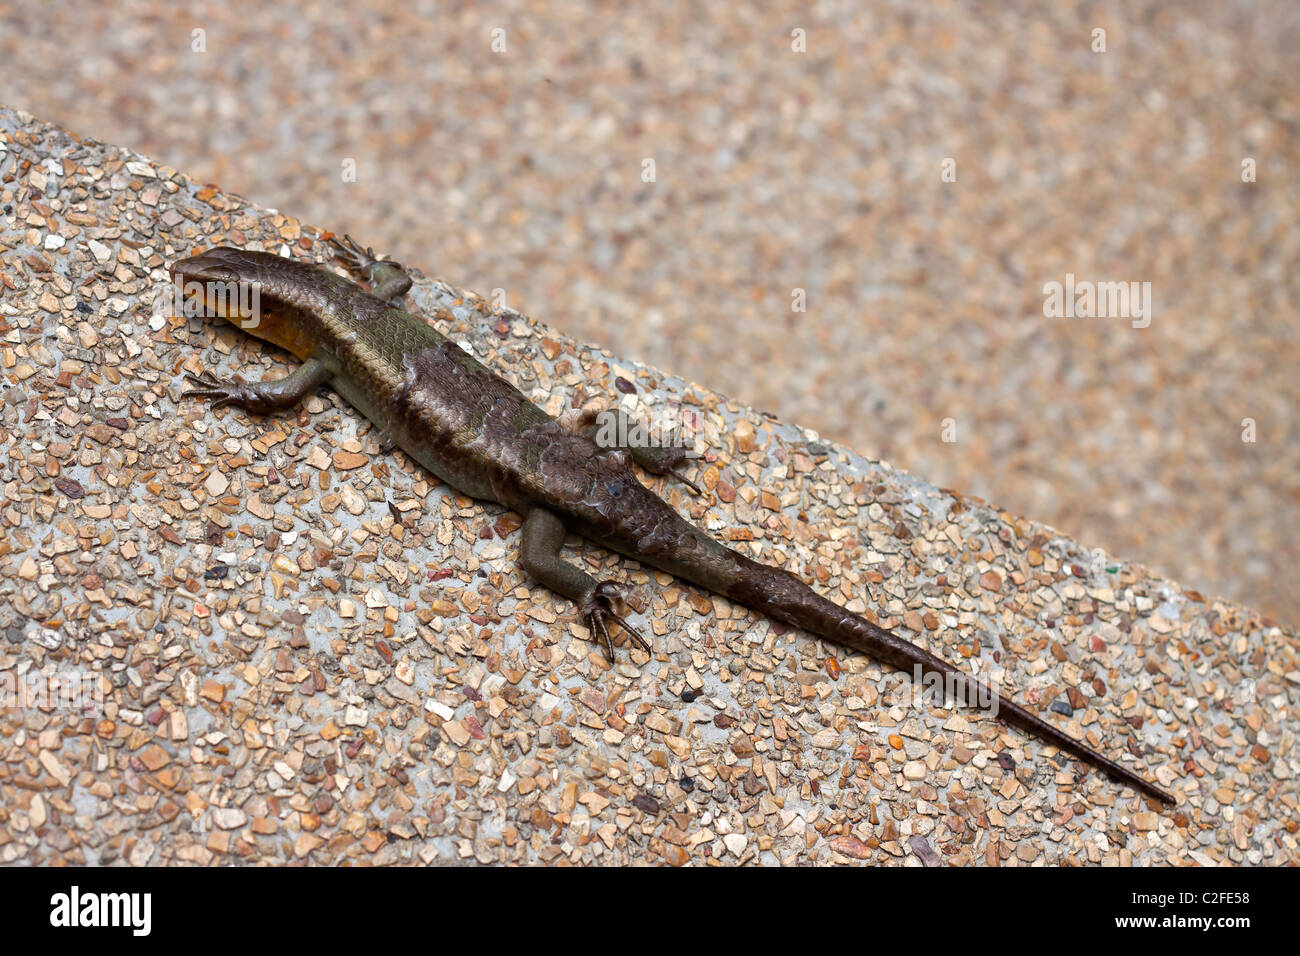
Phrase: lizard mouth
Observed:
(211, 285)
(214, 265)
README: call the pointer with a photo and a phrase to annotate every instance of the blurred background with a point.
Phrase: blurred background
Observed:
(502, 146)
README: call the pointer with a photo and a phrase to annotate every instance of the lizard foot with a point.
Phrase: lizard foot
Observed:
(598, 609)
(669, 461)
(666, 460)
(388, 280)
(359, 258)
(225, 393)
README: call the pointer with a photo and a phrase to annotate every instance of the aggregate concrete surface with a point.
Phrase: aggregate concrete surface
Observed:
(293, 646)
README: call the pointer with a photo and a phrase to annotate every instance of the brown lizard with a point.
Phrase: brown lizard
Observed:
(478, 433)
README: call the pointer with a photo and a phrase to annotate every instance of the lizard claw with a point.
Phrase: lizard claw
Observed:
(207, 387)
(598, 609)
(351, 251)
(361, 259)
(223, 393)
(669, 461)
(686, 481)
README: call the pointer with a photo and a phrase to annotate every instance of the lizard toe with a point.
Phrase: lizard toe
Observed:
(598, 610)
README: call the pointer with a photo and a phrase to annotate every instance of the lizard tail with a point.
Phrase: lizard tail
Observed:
(780, 594)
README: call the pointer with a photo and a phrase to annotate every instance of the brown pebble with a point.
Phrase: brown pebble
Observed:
(347, 461)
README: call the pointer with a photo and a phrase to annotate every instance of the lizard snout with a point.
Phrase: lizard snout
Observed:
(206, 267)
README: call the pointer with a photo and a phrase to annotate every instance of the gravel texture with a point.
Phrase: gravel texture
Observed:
(296, 647)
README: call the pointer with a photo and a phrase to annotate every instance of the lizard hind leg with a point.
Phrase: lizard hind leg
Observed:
(614, 429)
(543, 537)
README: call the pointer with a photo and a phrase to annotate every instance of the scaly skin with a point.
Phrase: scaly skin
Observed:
(481, 435)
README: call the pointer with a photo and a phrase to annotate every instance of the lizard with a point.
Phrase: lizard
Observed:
(479, 434)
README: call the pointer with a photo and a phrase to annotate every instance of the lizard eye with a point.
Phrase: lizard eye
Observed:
(615, 488)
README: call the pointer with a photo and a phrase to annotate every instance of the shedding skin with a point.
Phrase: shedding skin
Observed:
(480, 434)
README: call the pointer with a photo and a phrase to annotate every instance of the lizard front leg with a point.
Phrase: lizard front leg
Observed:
(260, 397)
(539, 553)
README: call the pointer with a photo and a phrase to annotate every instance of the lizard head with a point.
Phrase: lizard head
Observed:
(262, 293)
